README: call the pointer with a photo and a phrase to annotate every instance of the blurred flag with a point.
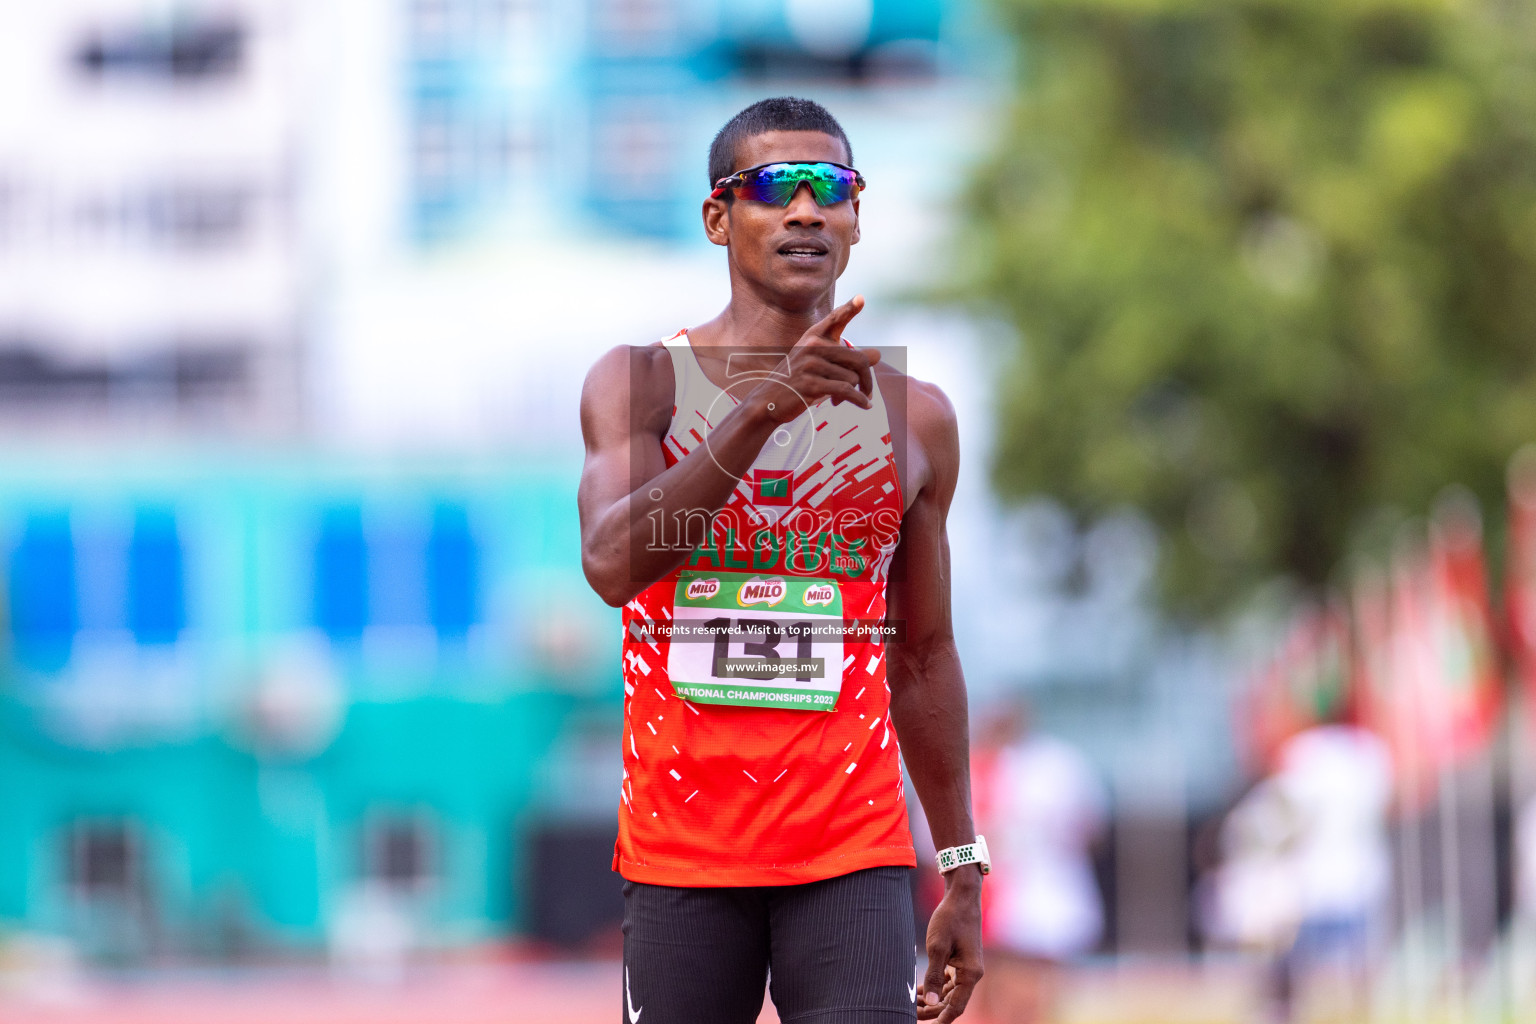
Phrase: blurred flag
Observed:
(1305, 681)
(1371, 666)
(1520, 572)
(1394, 623)
(1435, 686)
(1462, 682)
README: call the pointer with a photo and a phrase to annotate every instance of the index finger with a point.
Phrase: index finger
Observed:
(831, 326)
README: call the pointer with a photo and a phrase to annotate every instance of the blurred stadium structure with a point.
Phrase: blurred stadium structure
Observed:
(147, 218)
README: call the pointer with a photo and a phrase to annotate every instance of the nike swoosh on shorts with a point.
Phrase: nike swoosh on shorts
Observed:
(629, 1001)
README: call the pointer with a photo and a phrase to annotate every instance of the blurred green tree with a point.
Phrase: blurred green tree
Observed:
(1272, 265)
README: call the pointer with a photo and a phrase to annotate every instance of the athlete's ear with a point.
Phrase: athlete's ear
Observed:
(855, 239)
(717, 221)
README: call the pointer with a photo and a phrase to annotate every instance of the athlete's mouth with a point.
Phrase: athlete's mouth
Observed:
(803, 250)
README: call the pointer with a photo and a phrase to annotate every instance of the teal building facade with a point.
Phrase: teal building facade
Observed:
(240, 689)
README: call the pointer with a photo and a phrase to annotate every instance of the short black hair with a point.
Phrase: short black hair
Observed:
(779, 114)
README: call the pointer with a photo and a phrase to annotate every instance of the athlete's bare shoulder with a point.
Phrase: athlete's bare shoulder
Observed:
(927, 441)
(628, 390)
(630, 368)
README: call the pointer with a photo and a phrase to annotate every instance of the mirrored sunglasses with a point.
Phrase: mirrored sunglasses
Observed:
(777, 183)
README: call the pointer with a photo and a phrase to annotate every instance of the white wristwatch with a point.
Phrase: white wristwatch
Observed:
(970, 853)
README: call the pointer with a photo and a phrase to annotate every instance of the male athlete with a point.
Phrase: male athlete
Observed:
(767, 503)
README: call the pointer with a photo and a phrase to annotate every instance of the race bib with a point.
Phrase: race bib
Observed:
(757, 641)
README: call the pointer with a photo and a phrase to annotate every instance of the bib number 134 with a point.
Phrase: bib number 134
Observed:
(757, 641)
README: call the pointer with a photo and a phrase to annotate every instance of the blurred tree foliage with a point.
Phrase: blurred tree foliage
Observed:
(1273, 266)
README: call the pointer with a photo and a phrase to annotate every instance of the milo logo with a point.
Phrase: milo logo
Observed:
(821, 593)
(760, 591)
(703, 590)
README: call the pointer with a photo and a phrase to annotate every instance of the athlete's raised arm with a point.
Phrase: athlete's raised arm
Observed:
(928, 699)
(627, 490)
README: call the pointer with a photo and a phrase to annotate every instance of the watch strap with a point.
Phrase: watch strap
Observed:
(959, 856)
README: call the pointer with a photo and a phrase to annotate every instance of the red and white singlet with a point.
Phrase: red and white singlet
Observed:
(758, 746)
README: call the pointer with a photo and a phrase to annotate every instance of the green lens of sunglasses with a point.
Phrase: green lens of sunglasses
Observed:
(777, 183)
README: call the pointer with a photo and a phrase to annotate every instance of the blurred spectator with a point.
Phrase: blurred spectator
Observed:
(372, 936)
(39, 969)
(1525, 861)
(1255, 904)
(1522, 942)
(1307, 862)
(1041, 809)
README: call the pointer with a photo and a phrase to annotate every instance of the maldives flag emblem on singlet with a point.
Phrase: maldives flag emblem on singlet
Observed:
(773, 487)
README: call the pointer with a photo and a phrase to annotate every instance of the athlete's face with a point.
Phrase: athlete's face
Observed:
(792, 254)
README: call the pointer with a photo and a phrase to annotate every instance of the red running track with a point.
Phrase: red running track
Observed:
(517, 993)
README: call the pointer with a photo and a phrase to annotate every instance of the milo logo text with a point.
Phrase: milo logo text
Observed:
(761, 591)
(822, 593)
(702, 590)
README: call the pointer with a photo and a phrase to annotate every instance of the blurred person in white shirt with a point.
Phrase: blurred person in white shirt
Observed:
(1041, 808)
(1523, 933)
(1256, 904)
(1308, 867)
(1525, 862)
(1339, 779)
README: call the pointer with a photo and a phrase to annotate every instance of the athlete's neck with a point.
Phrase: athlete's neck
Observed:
(749, 321)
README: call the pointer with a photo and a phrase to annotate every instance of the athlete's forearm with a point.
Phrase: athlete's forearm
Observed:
(928, 708)
(649, 532)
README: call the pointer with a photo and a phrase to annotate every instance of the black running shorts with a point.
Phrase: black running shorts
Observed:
(840, 951)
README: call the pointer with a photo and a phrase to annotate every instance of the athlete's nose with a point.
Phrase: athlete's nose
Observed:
(802, 210)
